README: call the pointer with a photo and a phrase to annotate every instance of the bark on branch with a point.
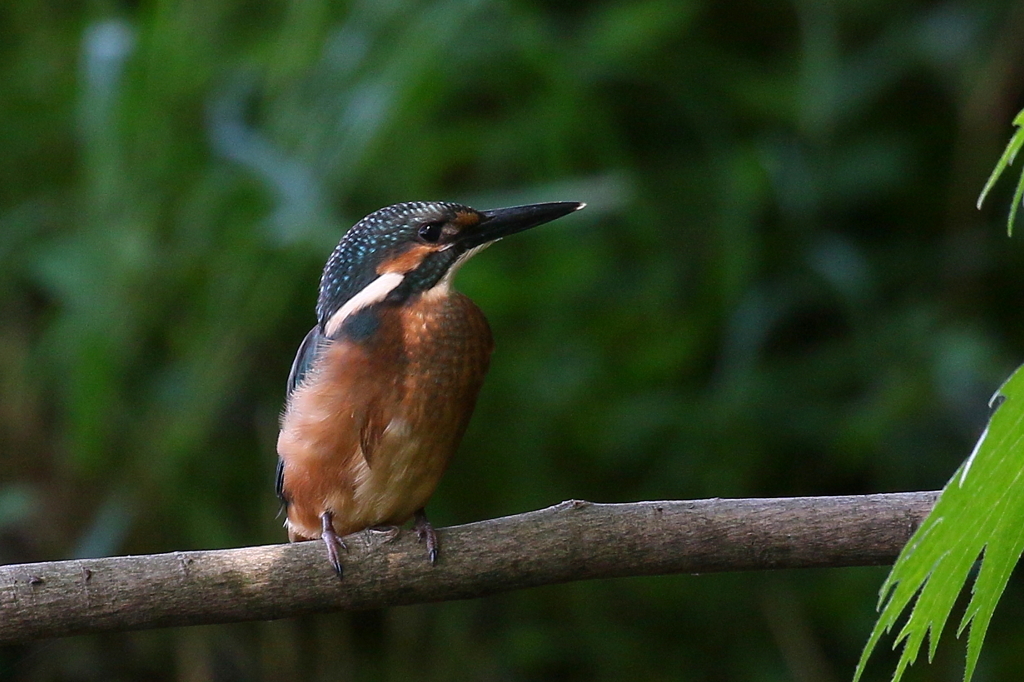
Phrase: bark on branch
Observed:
(573, 540)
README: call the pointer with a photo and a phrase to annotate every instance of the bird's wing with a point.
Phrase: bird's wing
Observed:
(364, 386)
(307, 354)
(279, 483)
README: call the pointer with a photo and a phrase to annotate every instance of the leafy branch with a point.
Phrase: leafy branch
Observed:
(980, 514)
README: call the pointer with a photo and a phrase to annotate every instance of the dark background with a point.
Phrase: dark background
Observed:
(781, 287)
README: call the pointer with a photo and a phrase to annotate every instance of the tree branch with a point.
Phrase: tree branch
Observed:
(570, 541)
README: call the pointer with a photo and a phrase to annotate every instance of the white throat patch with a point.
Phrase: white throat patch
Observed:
(445, 283)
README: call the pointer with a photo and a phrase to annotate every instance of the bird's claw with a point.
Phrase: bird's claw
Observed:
(332, 541)
(426, 533)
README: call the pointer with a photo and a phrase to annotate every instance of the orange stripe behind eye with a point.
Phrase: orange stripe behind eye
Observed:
(407, 261)
(464, 219)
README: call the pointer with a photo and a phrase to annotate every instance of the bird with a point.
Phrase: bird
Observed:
(383, 386)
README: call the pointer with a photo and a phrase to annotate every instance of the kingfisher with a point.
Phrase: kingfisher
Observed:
(382, 388)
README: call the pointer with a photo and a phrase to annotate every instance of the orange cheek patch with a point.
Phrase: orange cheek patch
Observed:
(406, 261)
(465, 219)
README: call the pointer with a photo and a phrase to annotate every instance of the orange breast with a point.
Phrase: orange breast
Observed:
(373, 427)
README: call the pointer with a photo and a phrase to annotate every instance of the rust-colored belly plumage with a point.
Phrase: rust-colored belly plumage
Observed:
(371, 429)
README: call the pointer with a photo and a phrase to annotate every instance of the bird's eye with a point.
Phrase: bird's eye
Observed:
(430, 232)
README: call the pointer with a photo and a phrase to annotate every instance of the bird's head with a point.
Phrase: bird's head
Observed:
(411, 248)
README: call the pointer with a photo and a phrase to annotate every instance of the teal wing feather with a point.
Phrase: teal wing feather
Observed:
(307, 354)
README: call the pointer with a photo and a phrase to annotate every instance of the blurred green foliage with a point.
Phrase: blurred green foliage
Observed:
(781, 287)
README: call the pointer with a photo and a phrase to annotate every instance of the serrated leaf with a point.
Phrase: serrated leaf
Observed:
(1007, 158)
(980, 511)
(1018, 194)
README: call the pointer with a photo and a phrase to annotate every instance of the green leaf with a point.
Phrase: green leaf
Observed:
(1009, 154)
(981, 510)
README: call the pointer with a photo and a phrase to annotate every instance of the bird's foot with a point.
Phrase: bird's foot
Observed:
(332, 541)
(426, 533)
(389, 533)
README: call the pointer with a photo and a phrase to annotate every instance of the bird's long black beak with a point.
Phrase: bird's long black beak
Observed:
(501, 222)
